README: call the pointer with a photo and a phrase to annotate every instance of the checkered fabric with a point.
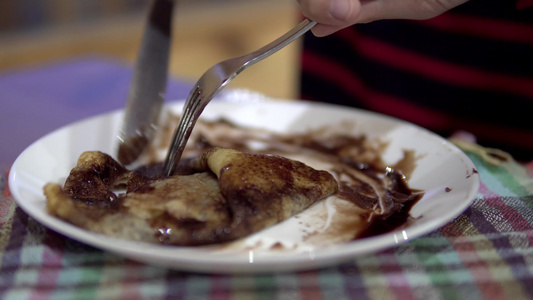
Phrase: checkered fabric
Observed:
(485, 253)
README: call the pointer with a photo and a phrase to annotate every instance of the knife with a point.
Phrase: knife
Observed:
(148, 85)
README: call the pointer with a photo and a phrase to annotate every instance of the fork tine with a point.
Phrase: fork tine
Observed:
(179, 140)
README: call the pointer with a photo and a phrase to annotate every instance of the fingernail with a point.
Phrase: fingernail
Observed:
(340, 9)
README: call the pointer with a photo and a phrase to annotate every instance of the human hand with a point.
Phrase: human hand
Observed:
(333, 15)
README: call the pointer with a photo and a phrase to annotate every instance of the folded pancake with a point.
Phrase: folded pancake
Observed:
(230, 195)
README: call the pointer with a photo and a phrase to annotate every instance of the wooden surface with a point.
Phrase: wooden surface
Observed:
(203, 35)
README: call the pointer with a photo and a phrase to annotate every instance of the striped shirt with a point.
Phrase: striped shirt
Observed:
(468, 69)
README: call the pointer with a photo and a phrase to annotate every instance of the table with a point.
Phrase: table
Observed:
(486, 253)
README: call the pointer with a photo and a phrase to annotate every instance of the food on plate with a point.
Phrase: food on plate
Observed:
(235, 182)
(229, 195)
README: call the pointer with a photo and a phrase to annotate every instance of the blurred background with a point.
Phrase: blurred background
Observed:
(36, 32)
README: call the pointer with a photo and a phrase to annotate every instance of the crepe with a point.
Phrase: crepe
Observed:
(223, 195)
(234, 182)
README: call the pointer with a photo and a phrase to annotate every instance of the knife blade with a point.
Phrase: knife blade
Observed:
(148, 84)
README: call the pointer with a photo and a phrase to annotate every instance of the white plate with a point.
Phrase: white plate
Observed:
(441, 167)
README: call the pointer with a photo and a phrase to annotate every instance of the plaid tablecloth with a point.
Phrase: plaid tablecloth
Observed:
(486, 253)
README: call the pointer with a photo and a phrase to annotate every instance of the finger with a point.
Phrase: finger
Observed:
(321, 30)
(331, 12)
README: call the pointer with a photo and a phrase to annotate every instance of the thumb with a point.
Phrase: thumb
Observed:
(342, 12)
(330, 12)
(331, 15)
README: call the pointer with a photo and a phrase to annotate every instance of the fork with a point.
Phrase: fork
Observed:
(212, 82)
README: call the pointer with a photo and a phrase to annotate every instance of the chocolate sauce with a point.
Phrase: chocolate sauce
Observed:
(379, 225)
(353, 158)
(130, 150)
(90, 181)
(369, 196)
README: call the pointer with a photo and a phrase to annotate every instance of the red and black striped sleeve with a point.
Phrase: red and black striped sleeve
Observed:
(469, 69)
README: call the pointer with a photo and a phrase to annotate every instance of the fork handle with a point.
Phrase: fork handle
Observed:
(279, 43)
